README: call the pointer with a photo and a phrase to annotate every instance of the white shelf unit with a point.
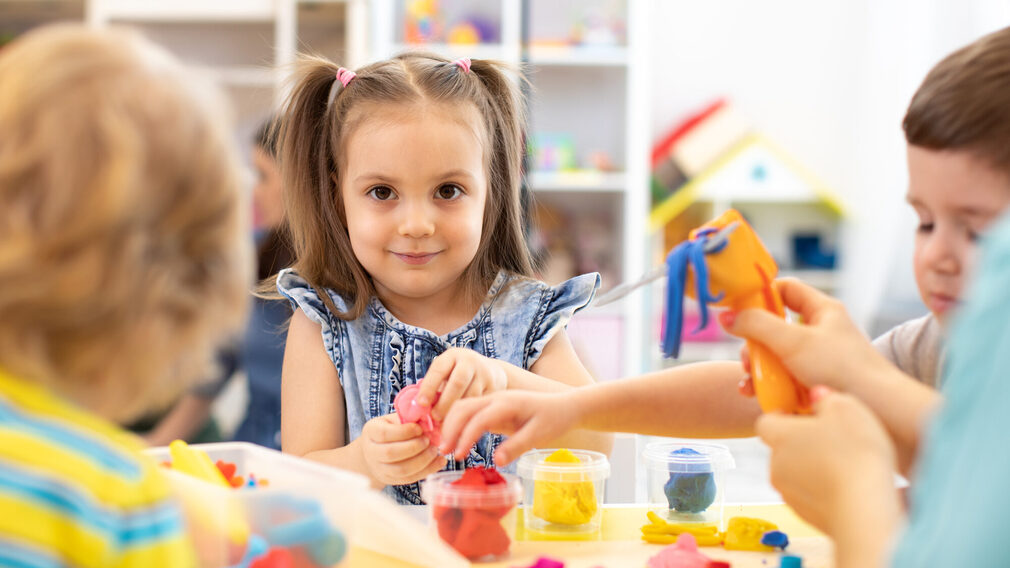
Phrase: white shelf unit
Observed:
(595, 91)
(247, 46)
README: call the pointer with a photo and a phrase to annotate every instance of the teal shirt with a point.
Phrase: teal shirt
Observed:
(961, 497)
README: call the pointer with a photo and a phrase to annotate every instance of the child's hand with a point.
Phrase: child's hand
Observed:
(398, 453)
(459, 373)
(829, 349)
(830, 466)
(529, 418)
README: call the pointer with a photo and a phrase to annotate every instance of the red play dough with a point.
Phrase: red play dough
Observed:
(475, 532)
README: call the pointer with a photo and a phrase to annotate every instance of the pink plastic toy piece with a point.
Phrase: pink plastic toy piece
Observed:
(682, 554)
(410, 411)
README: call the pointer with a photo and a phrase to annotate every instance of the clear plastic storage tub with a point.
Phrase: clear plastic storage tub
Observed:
(477, 520)
(562, 491)
(686, 481)
(303, 513)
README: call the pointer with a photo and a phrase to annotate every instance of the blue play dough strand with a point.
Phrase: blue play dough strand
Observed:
(690, 489)
(688, 252)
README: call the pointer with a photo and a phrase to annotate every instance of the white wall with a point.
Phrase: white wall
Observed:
(829, 81)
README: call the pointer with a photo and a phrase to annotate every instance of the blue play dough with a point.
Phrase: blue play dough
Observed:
(778, 539)
(688, 491)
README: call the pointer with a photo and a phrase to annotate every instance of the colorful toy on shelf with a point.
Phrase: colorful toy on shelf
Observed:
(464, 34)
(422, 21)
(553, 151)
(731, 268)
(409, 411)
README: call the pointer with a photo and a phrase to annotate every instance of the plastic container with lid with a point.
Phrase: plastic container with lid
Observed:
(477, 519)
(686, 481)
(562, 491)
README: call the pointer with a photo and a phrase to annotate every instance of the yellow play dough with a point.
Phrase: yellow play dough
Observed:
(744, 533)
(562, 502)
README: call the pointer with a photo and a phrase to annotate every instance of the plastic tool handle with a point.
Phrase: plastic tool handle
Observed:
(775, 388)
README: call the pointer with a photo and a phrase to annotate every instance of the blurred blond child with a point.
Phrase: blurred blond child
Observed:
(121, 257)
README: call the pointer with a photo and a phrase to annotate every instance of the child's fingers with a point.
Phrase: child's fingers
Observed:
(438, 373)
(458, 417)
(767, 329)
(395, 452)
(516, 445)
(498, 416)
(802, 298)
(745, 358)
(437, 463)
(414, 467)
(746, 386)
(388, 429)
(773, 428)
(459, 380)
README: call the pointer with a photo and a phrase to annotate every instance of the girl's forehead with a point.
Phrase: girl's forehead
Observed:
(373, 117)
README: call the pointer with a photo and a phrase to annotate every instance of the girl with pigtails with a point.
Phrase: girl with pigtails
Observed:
(402, 188)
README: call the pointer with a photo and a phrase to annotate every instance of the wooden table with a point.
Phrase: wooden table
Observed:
(620, 545)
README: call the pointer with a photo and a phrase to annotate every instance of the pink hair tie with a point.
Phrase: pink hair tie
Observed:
(463, 63)
(345, 76)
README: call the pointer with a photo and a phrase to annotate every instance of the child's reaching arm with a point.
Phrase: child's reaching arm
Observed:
(697, 401)
(312, 418)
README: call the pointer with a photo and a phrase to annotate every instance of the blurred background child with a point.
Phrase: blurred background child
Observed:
(258, 353)
(121, 263)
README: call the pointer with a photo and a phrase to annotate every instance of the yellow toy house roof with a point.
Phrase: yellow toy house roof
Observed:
(754, 169)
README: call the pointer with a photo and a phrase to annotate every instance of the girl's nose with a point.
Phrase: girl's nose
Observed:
(417, 220)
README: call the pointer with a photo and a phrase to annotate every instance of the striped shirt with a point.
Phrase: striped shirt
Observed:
(75, 492)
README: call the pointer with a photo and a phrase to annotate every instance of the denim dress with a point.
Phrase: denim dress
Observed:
(376, 355)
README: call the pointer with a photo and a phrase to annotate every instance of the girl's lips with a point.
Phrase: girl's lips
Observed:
(415, 258)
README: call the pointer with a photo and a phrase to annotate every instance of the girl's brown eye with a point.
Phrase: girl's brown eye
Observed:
(382, 193)
(449, 191)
